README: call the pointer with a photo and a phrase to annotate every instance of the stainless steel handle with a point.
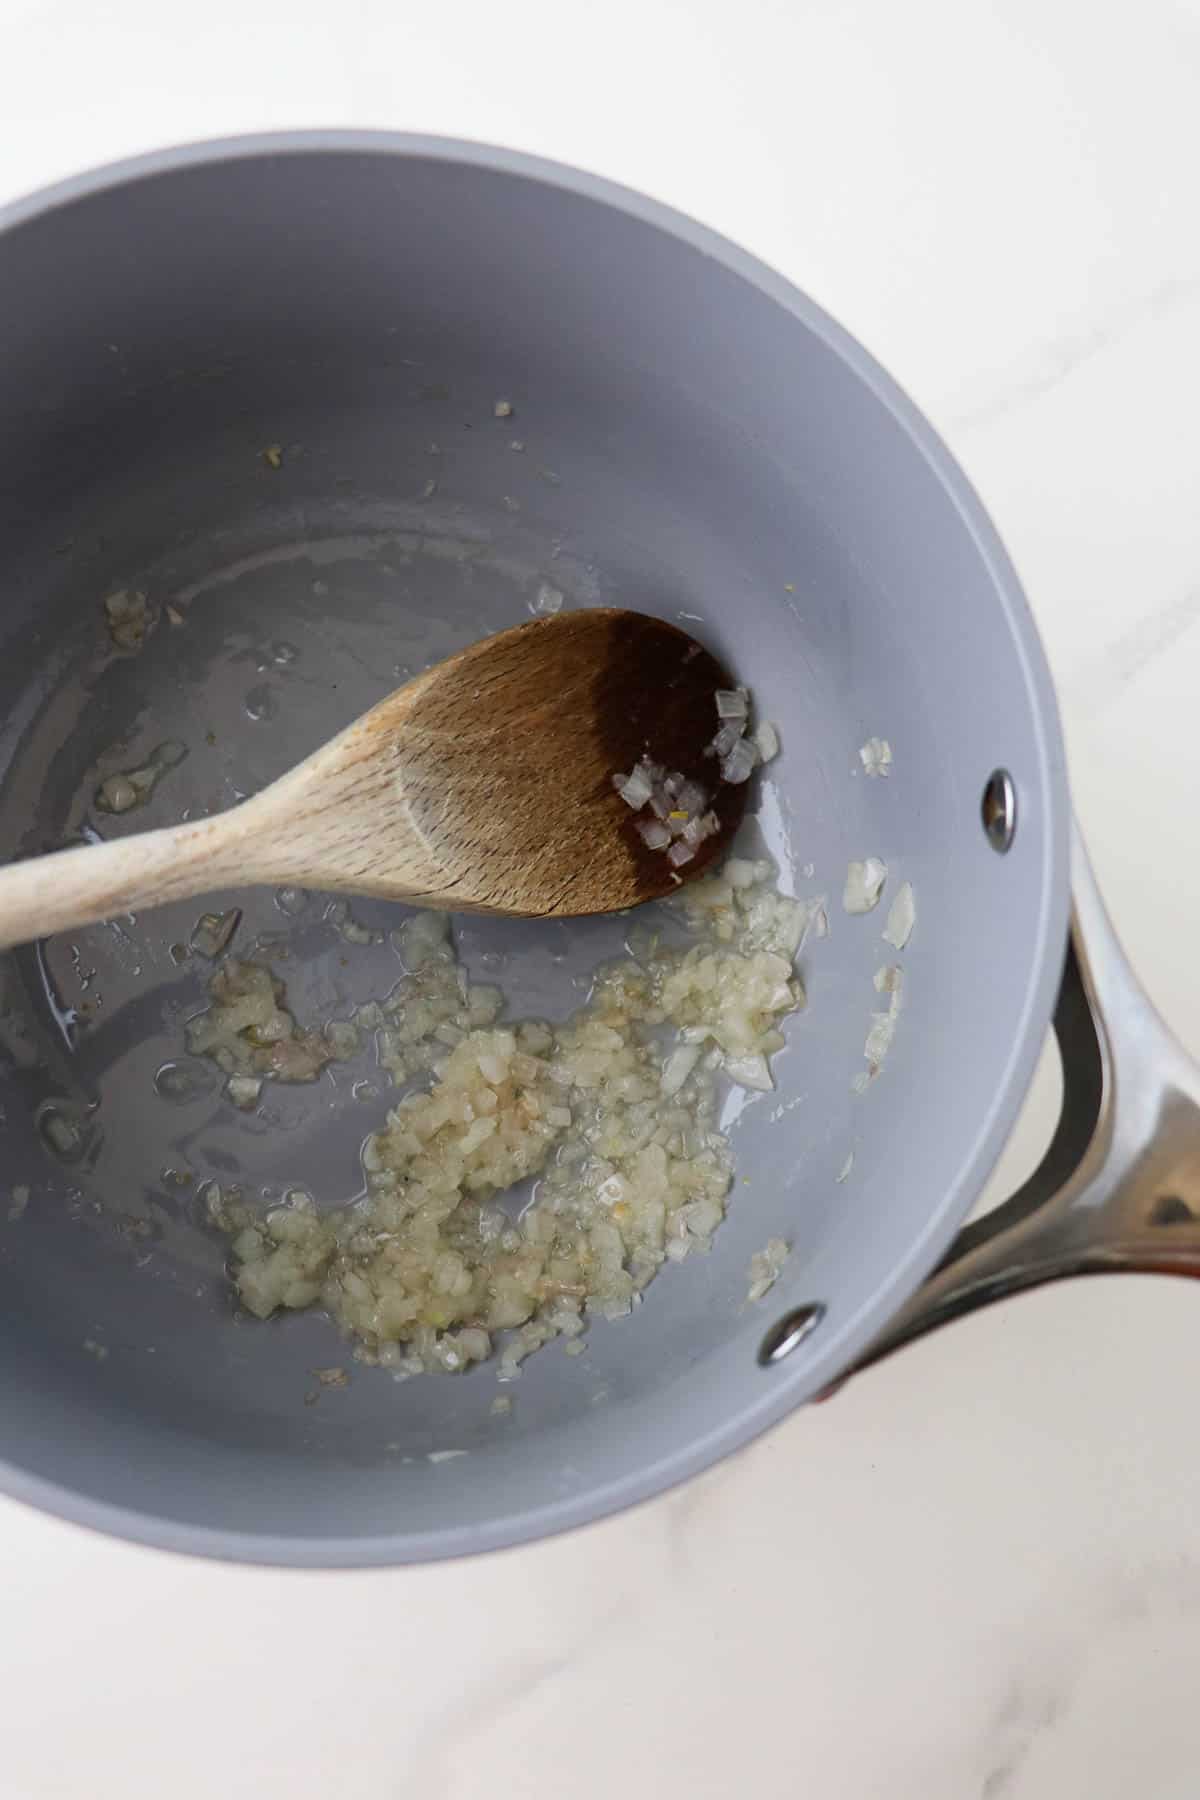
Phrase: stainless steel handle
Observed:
(1118, 1190)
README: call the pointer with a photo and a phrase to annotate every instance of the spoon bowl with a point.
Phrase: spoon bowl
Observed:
(484, 785)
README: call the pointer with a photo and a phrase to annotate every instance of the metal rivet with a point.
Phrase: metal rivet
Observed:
(789, 1331)
(999, 810)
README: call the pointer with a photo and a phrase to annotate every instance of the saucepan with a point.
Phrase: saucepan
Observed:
(336, 404)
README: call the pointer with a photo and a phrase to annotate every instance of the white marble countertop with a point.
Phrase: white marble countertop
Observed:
(977, 1574)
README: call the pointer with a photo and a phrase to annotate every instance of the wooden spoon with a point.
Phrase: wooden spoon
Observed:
(485, 785)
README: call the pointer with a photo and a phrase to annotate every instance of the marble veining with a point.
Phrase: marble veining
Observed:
(1047, 365)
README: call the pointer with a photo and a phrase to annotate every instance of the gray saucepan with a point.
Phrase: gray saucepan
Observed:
(258, 381)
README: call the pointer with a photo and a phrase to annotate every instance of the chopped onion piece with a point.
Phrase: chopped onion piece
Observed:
(343, 1039)
(729, 734)
(876, 756)
(653, 834)
(243, 1091)
(738, 766)
(902, 916)
(766, 740)
(765, 1266)
(750, 1071)
(697, 829)
(212, 932)
(128, 617)
(732, 703)
(348, 928)
(637, 789)
(679, 1066)
(680, 853)
(424, 938)
(879, 1038)
(117, 794)
(864, 884)
(890, 981)
(134, 787)
(547, 601)
(845, 1169)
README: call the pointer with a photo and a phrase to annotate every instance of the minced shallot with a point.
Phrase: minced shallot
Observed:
(128, 617)
(876, 756)
(889, 981)
(133, 787)
(683, 806)
(902, 916)
(614, 1112)
(765, 1266)
(864, 884)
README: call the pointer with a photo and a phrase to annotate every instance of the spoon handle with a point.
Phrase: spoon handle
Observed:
(98, 881)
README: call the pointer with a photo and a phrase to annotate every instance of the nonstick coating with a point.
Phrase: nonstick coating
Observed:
(695, 439)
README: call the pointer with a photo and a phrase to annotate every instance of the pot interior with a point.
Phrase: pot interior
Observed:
(688, 437)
